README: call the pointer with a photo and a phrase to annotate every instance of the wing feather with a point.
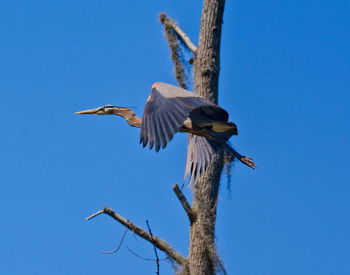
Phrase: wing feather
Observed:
(170, 121)
(159, 134)
(165, 112)
(144, 132)
(200, 153)
(151, 134)
(166, 128)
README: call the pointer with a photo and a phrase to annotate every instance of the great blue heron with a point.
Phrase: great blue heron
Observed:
(170, 109)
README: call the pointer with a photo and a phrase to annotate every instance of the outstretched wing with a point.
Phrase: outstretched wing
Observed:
(200, 153)
(166, 110)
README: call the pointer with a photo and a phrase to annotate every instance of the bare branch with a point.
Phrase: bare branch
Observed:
(117, 249)
(155, 249)
(165, 20)
(190, 213)
(160, 244)
(177, 40)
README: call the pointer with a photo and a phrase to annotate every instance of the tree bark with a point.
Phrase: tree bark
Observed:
(207, 63)
(203, 259)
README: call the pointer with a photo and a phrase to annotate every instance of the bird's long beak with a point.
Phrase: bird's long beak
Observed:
(88, 112)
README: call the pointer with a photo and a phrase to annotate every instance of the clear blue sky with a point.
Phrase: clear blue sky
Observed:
(284, 79)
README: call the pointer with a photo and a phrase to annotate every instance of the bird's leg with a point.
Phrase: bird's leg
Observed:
(246, 160)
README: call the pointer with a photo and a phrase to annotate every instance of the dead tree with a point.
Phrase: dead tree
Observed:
(203, 258)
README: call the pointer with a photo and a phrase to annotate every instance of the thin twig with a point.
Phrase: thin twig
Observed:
(144, 258)
(155, 249)
(160, 244)
(190, 213)
(117, 249)
(164, 19)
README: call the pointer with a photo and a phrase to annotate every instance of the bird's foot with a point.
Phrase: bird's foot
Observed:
(248, 161)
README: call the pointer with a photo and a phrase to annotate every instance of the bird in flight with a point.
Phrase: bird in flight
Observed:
(170, 109)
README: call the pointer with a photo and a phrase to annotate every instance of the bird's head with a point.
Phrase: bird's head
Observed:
(104, 110)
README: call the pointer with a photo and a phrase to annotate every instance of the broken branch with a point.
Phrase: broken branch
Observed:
(186, 206)
(175, 50)
(165, 20)
(160, 244)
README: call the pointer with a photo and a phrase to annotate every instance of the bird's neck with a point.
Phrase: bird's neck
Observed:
(129, 116)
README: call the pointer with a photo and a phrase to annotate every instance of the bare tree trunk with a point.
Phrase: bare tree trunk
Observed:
(207, 63)
(203, 258)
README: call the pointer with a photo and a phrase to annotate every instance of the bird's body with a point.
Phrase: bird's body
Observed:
(170, 109)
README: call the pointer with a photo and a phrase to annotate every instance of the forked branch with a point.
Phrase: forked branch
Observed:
(160, 244)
